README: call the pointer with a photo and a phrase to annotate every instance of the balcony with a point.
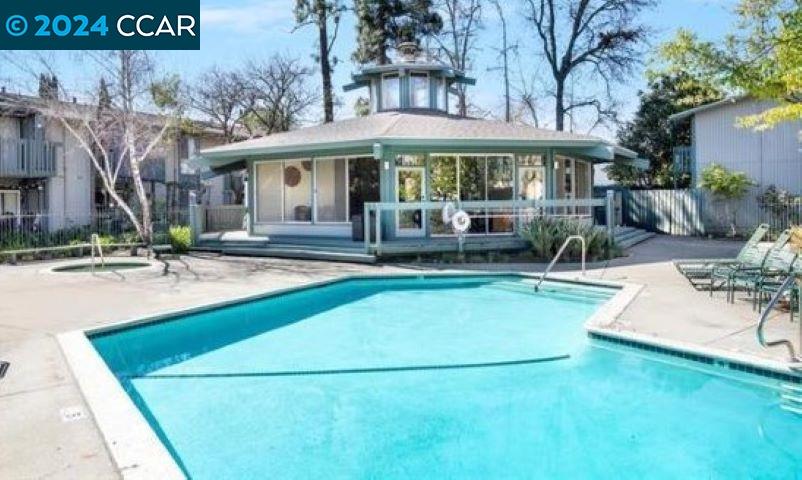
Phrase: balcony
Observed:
(26, 158)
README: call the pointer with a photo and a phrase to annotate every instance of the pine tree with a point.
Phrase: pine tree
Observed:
(321, 13)
(382, 24)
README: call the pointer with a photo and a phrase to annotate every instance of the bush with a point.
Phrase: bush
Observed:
(180, 239)
(547, 234)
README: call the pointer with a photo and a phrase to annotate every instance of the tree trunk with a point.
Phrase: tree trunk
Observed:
(325, 63)
(559, 106)
(462, 101)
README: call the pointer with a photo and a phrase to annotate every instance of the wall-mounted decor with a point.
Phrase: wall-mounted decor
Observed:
(292, 176)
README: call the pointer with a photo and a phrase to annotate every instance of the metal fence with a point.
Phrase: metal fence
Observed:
(695, 212)
(224, 218)
(19, 232)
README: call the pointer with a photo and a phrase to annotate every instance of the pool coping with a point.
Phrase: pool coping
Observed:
(148, 266)
(136, 449)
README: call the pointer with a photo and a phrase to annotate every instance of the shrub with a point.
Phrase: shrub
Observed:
(547, 234)
(180, 239)
(727, 187)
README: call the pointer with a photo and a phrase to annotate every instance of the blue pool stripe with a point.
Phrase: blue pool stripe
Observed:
(412, 368)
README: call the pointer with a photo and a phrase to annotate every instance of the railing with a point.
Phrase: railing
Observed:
(560, 253)
(795, 360)
(44, 230)
(224, 218)
(493, 217)
(25, 158)
(96, 247)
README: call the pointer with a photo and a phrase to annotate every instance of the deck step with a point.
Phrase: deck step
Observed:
(632, 237)
(302, 254)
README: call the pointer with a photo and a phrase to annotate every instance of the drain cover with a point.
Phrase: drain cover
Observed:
(72, 414)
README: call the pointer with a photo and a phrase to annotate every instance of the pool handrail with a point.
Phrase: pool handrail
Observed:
(94, 240)
(795, 361)
(559, 254)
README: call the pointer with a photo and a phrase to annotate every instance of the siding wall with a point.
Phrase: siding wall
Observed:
(770, 158)
(70, 191)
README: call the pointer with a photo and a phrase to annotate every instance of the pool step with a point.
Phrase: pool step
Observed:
(791, 398)
(562, 292)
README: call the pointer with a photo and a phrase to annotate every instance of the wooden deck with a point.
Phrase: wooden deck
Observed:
(347, 250)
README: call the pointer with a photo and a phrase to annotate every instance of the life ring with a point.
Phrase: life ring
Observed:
(448, 212)
(461, 221)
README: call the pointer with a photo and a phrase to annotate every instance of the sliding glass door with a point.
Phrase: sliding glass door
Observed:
(314, 191)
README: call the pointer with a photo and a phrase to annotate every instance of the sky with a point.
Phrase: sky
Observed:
(234, 32)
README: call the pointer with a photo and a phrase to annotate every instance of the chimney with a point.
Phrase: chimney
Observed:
(409, 51)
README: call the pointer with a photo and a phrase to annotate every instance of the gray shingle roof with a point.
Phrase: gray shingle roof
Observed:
(421, 127)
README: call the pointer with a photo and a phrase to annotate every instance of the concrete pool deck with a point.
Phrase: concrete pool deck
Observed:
(48, 429)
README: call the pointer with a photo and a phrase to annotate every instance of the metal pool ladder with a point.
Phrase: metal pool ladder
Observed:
(94, 240)
(795, 361)
(559, 254)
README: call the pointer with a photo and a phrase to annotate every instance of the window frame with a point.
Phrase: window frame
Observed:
(410, 100)
(383, 90)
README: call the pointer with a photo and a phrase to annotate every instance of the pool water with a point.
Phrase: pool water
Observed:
(454, 377)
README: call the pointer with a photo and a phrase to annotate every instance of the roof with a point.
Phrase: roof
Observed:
(411, 128)
(702, 108)
(363, 76)
(14, 104)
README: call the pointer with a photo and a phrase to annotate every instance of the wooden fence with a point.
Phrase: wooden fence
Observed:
(694, 212)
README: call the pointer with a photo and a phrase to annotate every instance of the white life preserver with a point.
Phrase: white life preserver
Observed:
(448, 212)
(461, 221)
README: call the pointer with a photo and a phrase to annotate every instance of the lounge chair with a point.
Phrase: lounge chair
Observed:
(698, 271)
(724, 274)
(779, 264)
(768, 286)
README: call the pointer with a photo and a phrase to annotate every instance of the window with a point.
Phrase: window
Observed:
(268, 192)
(9, 203)
(499, 187)
(331, 180)
(442, 94)
(531, 178)
(419, 90)
(390, 92)
(298, 191)
(472, 178)
(363, 179)
(314, 190)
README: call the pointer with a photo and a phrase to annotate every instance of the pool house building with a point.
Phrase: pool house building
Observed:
(377, 184)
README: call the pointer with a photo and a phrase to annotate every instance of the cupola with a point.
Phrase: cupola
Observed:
(414, 81)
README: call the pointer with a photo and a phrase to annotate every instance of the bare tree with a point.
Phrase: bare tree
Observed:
(462, 20)
(277, 94)
(115, 133)
(222, 97)
(319, 13)
(600, 37)
(504, 53)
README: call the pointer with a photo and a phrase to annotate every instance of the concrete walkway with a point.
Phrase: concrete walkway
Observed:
(41, 438)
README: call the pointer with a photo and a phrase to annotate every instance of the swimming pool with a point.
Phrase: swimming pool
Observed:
(440, 377)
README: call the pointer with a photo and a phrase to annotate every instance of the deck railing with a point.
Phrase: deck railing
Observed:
(494, 217)
(26, 158)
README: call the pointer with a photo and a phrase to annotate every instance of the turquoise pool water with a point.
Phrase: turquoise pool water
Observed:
(474, 377)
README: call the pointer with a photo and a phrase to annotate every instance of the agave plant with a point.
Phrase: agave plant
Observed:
(547, 234)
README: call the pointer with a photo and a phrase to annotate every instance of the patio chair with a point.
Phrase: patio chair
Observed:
(779, 264)
(698, 271)
(724, 274)
(767, 287)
